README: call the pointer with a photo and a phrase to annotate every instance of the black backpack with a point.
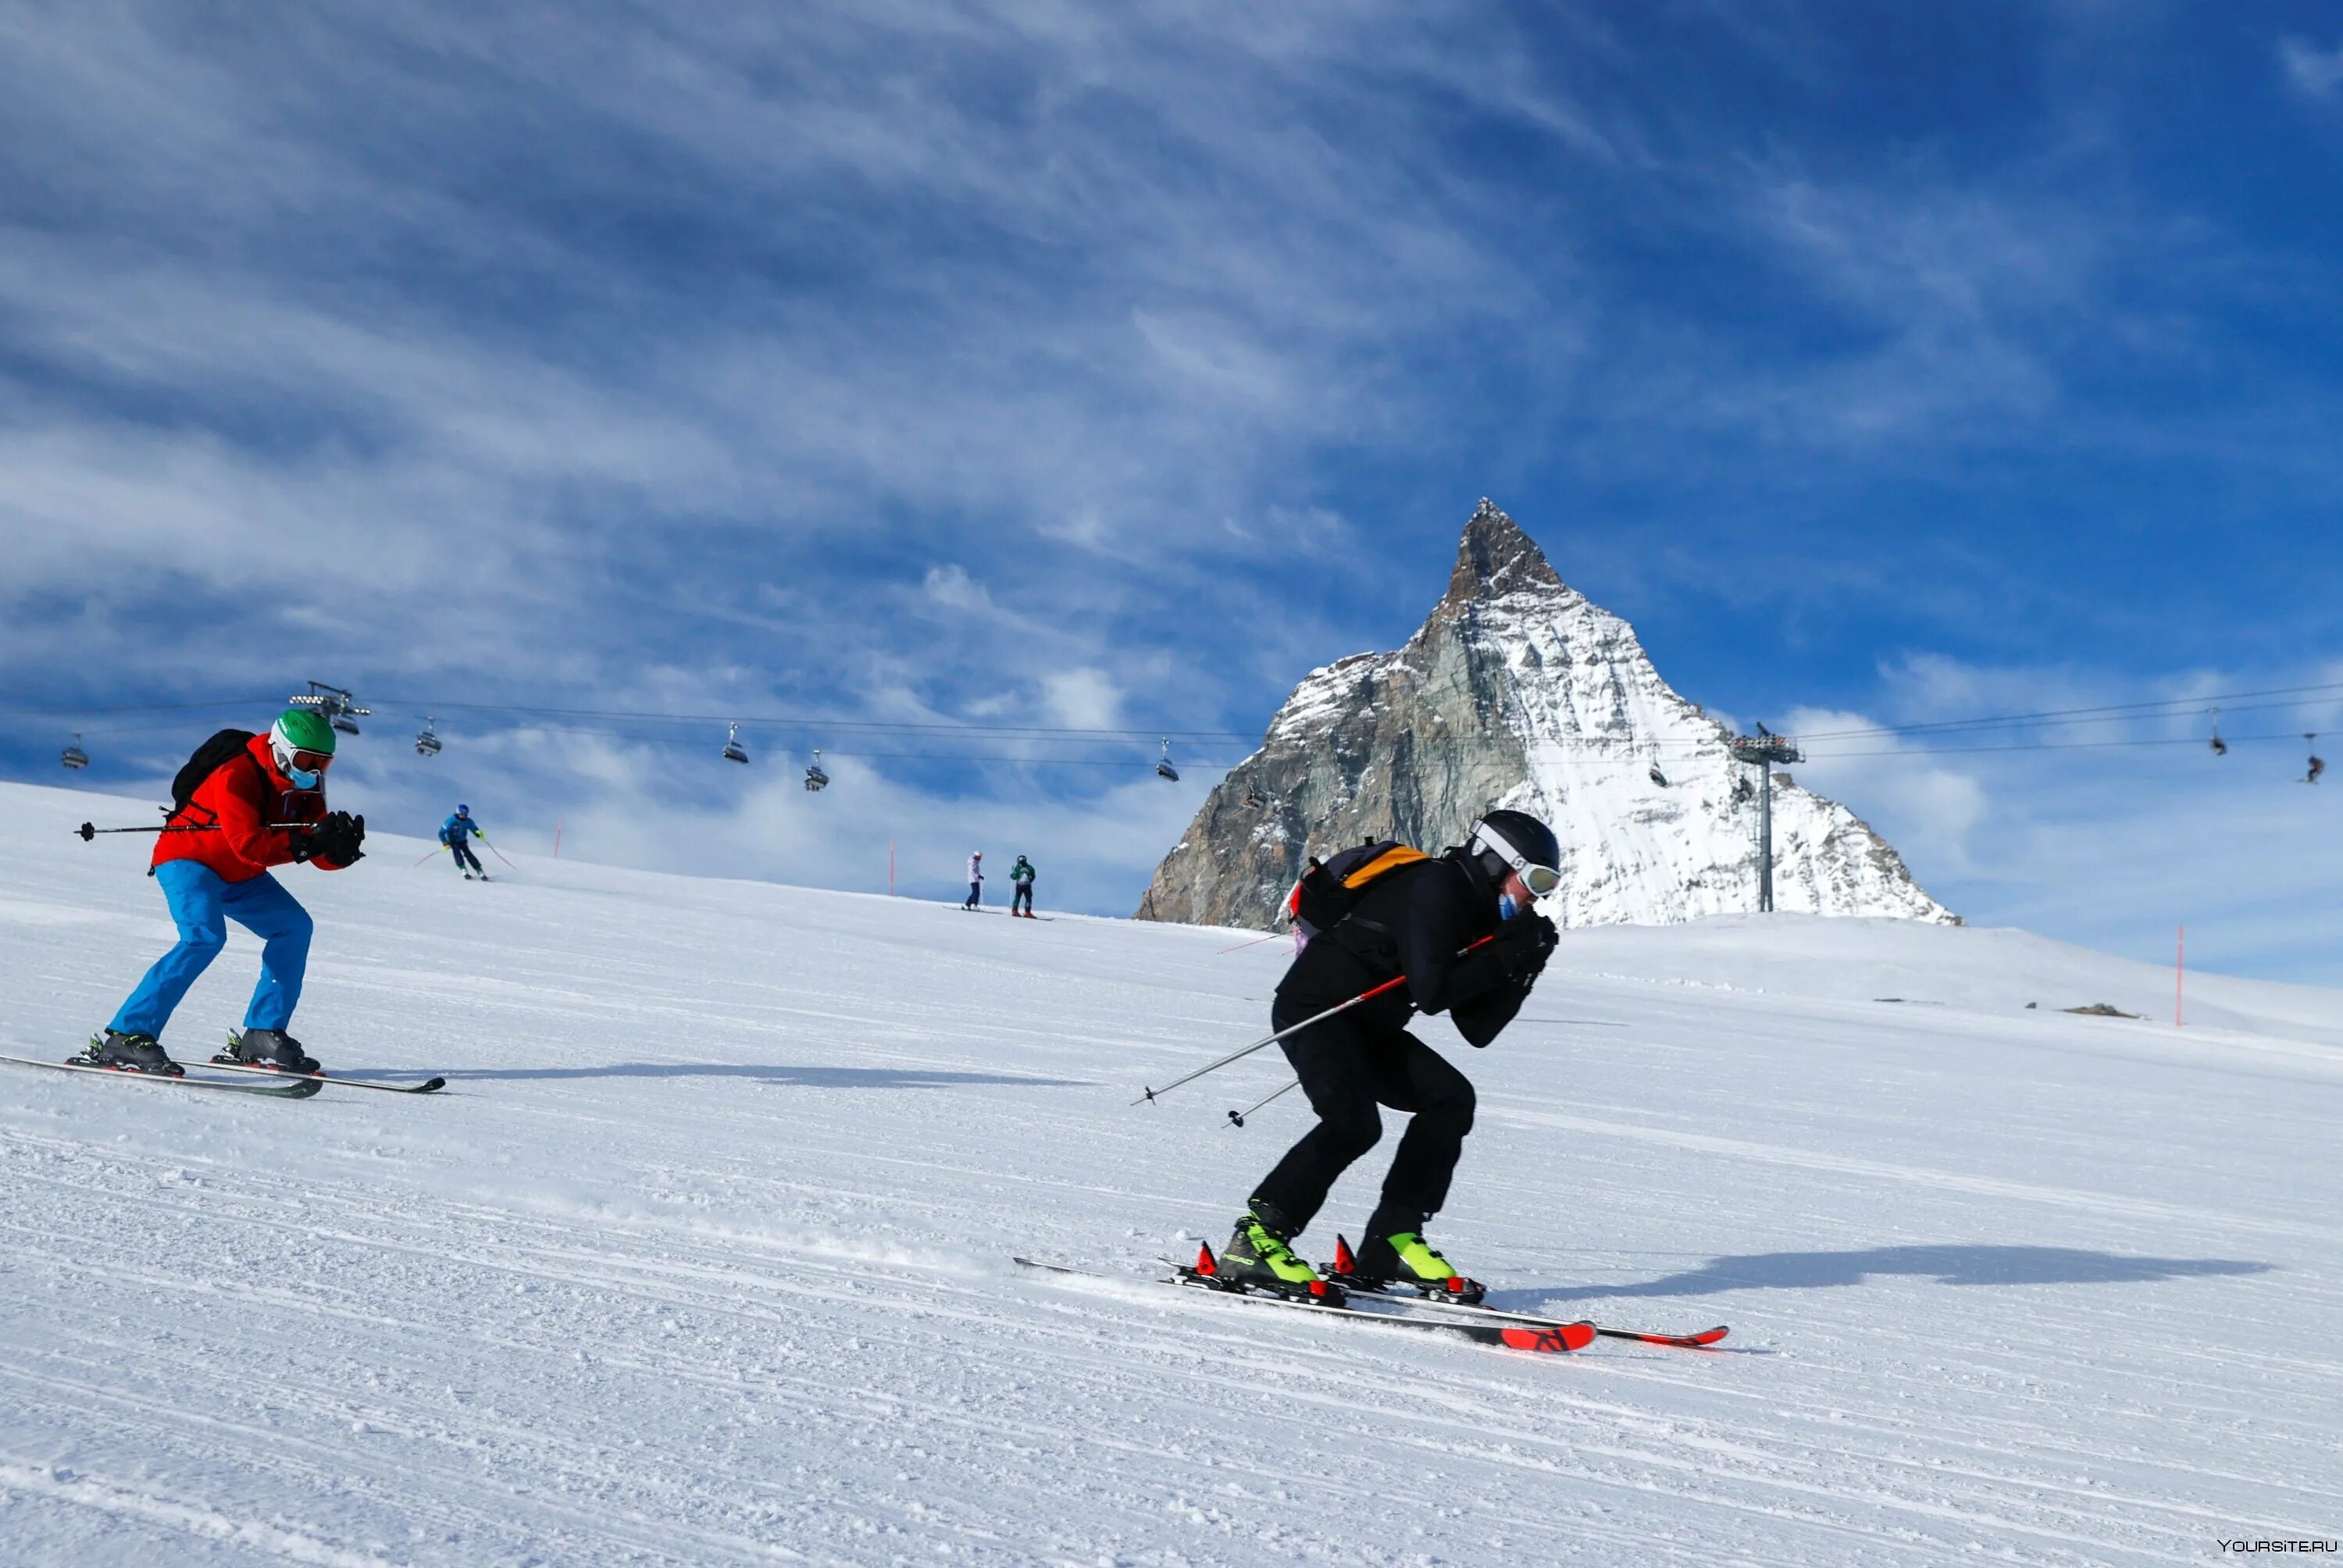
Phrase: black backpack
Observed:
(209, 757)
(1331, 888)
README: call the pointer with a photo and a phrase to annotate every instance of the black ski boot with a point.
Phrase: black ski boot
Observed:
(1257, 1258)
(266, 1048)
(129, 1053)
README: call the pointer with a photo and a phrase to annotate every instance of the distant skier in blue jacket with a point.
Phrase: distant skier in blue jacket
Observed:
(456, 832)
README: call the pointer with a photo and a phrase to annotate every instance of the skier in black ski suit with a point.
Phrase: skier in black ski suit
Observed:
(1414, 922)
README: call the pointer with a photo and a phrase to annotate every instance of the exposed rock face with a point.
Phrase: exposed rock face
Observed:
(1519, 692)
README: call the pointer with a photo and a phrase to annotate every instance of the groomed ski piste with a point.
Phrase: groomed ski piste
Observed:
(703, 1254)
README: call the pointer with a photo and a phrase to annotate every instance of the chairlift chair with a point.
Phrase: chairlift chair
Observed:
(2220, 747)
(427, 742)
(1742, 791)
(1659, 778)
(338, 707)
(74, 756)
(2318, 763)
(815, 778)
(733, 751)
(1163, 769)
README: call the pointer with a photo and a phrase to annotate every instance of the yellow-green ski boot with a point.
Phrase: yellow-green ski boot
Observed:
(1403, 1261)
(1257, 1258)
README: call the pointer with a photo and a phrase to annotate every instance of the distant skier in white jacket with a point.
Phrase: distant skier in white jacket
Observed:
(975, 880)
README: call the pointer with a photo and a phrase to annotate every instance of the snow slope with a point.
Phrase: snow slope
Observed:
(701, 1259)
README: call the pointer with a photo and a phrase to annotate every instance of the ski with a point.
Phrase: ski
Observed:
(1694, 1341)
(1700, 1340)
(428, 1086)
(1557, 1338)
(300, 1091)
(1394, 1290)
(227, 1061)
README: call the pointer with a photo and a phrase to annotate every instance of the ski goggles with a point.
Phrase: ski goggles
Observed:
(1539, 880)
(312, 761)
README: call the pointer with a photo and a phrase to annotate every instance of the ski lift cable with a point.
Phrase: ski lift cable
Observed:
(2183, 709)
(2168, 708)
(2171, 707)
(388, 706)
(1917, 752)
(138, 707)
(1608, 755)
(1617, 753)
(799, 721)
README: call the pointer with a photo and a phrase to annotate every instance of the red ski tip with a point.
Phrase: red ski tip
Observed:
(1700, 1340)
(1561, 1337)
(1206, 1264)
(1343, 1262)
(1705, 1337)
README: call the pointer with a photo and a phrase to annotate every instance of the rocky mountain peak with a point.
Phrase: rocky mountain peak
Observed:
(1494, 558)
(1517, 691)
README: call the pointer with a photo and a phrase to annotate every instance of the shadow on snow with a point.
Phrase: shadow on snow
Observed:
(1949, 1265)
(808, 1077)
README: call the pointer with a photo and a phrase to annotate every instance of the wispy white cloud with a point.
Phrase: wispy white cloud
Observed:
(1083, 699)
(344, 302)
(2313, 71)
(1931, 809)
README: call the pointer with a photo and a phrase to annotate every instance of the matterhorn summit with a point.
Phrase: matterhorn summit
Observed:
(1518, 691)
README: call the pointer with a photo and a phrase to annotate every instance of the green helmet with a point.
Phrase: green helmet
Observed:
(304, 729)
(299, 730)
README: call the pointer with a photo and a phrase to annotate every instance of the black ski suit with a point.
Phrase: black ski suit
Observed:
(1414, 921)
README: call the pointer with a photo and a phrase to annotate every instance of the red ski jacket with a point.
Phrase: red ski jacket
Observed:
(241, 798)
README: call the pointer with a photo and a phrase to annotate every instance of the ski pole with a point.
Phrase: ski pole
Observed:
(440, 850)
(1254, 944)
(86, 833)
(1147, 1096)
(500, 854)
(1238, 1116)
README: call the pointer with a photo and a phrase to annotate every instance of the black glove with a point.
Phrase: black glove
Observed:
(1509, 959)
(1520, 946)
(337, 838)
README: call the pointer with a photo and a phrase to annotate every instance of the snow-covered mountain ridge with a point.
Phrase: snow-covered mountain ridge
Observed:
(1520, 692)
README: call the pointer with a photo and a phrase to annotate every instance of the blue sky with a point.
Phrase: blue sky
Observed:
(1090, 367)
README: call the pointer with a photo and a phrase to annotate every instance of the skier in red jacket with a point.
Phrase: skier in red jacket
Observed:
(263, 806)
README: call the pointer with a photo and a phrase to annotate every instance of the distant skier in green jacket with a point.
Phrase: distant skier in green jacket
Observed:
(1020, 877)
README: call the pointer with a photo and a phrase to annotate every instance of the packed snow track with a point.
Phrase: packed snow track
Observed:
(703, 1254)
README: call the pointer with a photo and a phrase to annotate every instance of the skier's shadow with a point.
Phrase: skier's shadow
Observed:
(1948, 1264)
(803, 1077)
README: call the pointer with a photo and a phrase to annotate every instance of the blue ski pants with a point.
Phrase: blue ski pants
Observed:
(201, 904)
